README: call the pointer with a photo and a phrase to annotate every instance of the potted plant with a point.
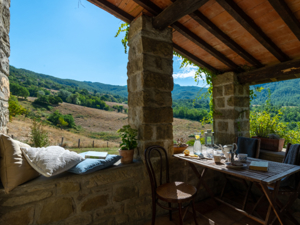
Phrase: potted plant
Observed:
(179, 146)
(265, 127)
(128, 144)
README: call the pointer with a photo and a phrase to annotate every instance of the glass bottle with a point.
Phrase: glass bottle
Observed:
(197, 144)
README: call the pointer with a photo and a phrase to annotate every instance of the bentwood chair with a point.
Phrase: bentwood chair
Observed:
(170, 192)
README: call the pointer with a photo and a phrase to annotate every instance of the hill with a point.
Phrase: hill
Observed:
(28, 77)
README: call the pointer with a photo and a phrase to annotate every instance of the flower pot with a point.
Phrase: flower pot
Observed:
(178, 150)
(127, 156)
(275, 145)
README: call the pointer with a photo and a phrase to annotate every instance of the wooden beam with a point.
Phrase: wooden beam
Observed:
(282, 71)
(202, 44)
(218, 33)
(111, 8)
(194, 59)
(240, 16)
(151, 7)
(287, 15)
(175, 11)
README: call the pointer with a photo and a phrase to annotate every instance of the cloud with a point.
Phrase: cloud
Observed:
(186, 72)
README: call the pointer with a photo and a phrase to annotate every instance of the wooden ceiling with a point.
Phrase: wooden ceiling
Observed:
(227, 35)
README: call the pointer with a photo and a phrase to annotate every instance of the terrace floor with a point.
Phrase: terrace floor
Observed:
(211, 214)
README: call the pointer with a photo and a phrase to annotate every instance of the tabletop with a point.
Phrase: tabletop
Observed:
(276, 172)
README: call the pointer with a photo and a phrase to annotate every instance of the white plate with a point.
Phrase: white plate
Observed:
(228, 165)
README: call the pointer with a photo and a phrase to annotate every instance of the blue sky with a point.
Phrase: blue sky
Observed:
(65, 39)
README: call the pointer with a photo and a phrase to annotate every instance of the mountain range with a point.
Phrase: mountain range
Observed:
(282, 93)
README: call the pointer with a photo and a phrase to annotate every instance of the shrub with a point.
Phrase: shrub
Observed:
(39, 137)
(15, 108)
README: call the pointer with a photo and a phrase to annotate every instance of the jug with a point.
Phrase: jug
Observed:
(228, 151)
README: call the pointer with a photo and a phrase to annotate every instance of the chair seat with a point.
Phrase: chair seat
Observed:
(176, 192)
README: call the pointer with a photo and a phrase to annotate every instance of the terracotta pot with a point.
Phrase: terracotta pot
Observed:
(127, 156)
(178, 150)
(275, 145)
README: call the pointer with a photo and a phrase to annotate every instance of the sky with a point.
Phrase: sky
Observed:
(65, 39)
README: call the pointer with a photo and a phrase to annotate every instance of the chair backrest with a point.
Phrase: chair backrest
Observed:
(288, 147)
(255, 149)
(161, 152)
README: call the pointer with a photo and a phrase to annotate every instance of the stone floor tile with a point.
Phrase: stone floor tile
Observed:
(219, 217)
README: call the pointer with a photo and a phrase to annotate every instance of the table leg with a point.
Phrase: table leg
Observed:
(272, 200)
(201, 181)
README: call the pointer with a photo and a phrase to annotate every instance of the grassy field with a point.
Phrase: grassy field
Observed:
(97, 126)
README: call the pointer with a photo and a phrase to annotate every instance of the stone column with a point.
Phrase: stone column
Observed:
(231, 108)
(4, 63)
(150, 83)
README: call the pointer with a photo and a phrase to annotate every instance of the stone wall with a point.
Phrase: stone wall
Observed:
(150, 83)
(231, 108)
(4, 63)
(119, 195)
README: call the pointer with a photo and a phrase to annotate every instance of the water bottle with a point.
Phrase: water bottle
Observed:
(197, 144)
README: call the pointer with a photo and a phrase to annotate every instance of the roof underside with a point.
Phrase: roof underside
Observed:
(224, 35)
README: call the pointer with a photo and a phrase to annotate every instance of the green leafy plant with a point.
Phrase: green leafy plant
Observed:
(15, 108)
(179, 142)
(128, 137)
(124, 28)
(39, 137)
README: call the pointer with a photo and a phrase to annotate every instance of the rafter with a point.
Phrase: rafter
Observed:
(282, 71)
(175, 11)
(151, 7)
(240, 16)
(287, 15)
(194, 59)
(111, 8)
(218, 33)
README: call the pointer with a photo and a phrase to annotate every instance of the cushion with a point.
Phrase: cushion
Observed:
(92, 165)
(51, 160)
(14, 168)
(247, 146)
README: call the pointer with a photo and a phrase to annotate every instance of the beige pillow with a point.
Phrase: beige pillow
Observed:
(14, 168)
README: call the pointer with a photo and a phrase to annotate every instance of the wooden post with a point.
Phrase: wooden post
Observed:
(62, 141)
(12, 136)
(93, 144)
(78, 143)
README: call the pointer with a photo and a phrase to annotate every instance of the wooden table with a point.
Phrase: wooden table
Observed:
(276, 172)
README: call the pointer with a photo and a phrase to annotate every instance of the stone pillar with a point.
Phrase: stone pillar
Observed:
(4, 63)
(231, 108)
(150, 83)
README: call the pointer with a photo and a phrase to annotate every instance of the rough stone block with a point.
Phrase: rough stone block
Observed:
(164, 131)
(135, 99)
(95, 203)
(226, 78)
(4, 63)
(219, 102)
(156, 98)
(229, 89)
(157, 115)
(124, 192)
(24, 199)
(135, 64)
(157, 64)
(23, 216)
(239, 101)
(222, 126)
(146, 132)
(218, 91)
(142, 26)
(6, 18)
(226, 114)
(56, 210)
(157, 47)
(4, 87)
(81, 219)
(160, 81)
(225, 138)
(5, 46)
(68, 187)
(242, 125)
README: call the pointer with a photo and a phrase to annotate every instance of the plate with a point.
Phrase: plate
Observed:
(243, 166)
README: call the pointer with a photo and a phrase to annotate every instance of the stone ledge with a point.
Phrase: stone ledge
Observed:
(44, 183)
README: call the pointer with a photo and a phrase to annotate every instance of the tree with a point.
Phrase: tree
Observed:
(62, 123)
(39, 137)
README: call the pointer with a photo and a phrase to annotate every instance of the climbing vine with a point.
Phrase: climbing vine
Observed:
(201, 73)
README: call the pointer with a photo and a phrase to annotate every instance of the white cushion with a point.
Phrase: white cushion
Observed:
(51, 160)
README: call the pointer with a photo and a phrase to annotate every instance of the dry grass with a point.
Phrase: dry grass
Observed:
(93, 121)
